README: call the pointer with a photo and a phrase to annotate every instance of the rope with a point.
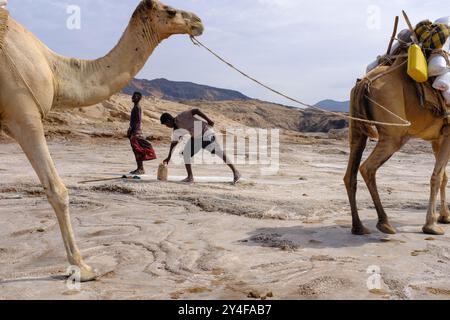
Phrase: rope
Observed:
(404, 123)
(381, 75)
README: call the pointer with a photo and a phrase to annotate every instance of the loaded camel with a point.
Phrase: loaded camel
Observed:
(395, 90)
(47, 81)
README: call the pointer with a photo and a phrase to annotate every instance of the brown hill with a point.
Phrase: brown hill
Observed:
(180, 91)
(110, 119)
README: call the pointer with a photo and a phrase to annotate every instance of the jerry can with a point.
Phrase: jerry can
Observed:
(163, 172)
(417, 64)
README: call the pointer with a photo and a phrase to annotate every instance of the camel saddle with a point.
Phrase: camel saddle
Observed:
(432, 99)
(4, 16)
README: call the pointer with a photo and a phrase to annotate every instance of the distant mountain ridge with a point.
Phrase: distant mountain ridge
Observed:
(332, 105)
(188, 93)
(179, 91)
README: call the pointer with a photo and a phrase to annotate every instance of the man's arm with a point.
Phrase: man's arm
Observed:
(198, 112)
(172, 147)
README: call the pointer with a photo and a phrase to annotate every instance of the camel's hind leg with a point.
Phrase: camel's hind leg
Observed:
(29, 133)
(437, 180)
(444, 216)
(384, 150)
(357, 145)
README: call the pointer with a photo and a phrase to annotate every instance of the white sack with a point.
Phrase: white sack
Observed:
(447, 96)
(3, 3)
(446, 46)
(437, 65)
(444, 20)
(442, 82)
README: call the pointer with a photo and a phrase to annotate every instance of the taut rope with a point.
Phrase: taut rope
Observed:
(4, 17)
(404, 123)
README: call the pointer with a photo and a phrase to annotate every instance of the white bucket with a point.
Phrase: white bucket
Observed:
(437, 65)
(442, 83)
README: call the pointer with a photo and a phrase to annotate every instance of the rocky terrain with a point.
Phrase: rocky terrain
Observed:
(110, 119)
(277, 235)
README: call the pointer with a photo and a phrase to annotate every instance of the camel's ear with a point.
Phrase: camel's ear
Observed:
(149, 4)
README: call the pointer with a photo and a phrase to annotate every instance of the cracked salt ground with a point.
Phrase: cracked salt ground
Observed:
(214, 240)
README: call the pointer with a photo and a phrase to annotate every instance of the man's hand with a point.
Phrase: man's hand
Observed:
(172, 147)
(211, 124)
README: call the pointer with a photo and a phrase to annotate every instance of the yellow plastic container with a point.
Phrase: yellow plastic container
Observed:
(417, 64)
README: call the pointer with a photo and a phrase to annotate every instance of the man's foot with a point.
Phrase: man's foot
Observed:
(138, 172)
(237, 178)
(188, 180)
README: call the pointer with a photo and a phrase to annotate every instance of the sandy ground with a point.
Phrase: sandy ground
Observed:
(286, 236)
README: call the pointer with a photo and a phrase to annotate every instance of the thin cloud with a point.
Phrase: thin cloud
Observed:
(312, 50)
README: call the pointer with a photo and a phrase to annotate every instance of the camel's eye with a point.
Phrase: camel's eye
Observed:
(171, 12)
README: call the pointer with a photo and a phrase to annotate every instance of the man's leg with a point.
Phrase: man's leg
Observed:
(136, 150)
(192, 147)
(140, 167)
(236, 173)
(190, 177)
(217, 150)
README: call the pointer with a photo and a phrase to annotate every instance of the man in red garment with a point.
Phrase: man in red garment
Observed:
(143, 150)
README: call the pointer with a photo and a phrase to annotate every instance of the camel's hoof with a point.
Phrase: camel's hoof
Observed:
(444, 220)
(386, 228)
(360, 231)
(88, 274)
(433, 230)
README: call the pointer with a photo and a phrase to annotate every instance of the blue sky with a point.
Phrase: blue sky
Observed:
(312, 50)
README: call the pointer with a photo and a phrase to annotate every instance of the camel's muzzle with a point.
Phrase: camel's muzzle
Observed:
(196, 26)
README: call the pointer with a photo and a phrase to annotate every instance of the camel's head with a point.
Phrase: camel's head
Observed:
(170, 21)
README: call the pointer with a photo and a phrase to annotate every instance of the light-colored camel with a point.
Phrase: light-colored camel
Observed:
(57, 81)
(397, 92)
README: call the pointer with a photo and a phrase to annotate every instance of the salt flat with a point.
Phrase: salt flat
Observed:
(286, 234)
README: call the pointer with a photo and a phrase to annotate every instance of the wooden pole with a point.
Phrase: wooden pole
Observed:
(111, 179)
(408, 22)
(394, 34)
(99, 180)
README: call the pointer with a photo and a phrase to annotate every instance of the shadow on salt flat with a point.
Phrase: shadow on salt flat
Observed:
(318, 237)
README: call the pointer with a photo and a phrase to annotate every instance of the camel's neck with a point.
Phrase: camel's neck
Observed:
(86, 82)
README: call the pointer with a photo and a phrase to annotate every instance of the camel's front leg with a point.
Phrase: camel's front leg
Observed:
(29, 133)
(437, 182)
(383, 151)
(444, 216)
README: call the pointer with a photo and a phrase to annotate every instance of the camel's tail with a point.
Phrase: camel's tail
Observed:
(359, 109)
